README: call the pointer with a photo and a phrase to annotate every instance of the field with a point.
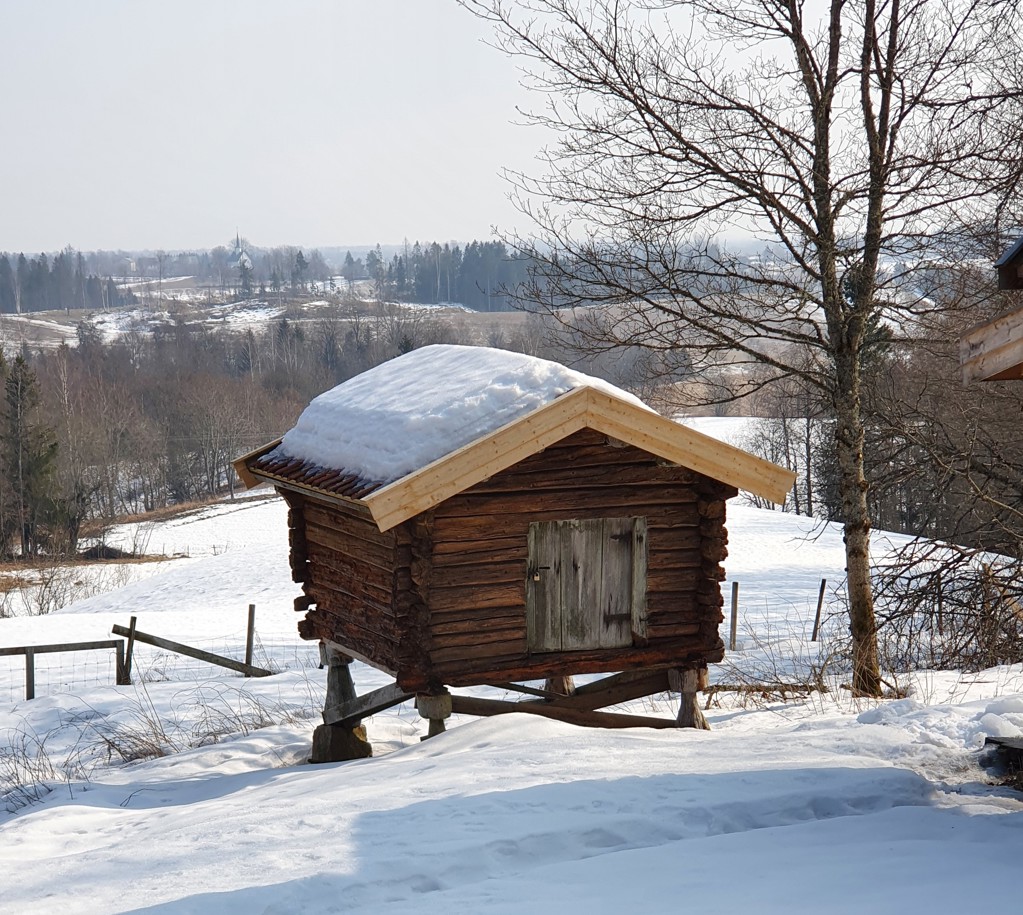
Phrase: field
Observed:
(189, 791)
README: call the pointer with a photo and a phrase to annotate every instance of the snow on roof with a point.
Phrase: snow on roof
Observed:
(402, 415)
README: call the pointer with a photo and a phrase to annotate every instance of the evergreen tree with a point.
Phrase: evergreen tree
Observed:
(6, 284)
(298, 271)
(29, 452)
(245, 277)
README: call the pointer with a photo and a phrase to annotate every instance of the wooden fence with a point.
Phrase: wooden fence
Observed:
(125, 653)
(30, 652)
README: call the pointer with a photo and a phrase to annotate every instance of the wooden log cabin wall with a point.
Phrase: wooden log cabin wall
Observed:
(569, 542)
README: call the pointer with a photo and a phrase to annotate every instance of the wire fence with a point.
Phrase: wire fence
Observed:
(76, 671)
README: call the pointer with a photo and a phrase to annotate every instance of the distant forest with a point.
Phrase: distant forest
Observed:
(480, 276)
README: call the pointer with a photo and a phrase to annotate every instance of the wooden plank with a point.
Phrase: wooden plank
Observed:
(471, 705)
(477, 620)
(481, 635)
(582, 553)
(60, 646)
(355, 621)
(474, 615)
(357, 548)
(30, 673)
(498, 572)
(504, 594)
(615, 689)
(640, 562)
(663, 517)
(477, 461)
(687, 447)
(512, 647)
(241, 464)
(603, 501)
(363, 706)
(615, 575)
(583, 407)
(191, 652)
(993, 351)
(455, 552)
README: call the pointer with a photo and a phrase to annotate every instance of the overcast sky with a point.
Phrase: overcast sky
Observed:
(144, 124)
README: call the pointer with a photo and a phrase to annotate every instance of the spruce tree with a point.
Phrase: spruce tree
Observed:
(29, 454)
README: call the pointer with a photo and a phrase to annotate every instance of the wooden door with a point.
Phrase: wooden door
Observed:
(586, 583)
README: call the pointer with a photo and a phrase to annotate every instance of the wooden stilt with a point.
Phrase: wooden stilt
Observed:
(336, 742)
(689, 683)
(435, 708)
(563, 686)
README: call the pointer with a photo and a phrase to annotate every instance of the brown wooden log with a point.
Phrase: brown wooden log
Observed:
(468, 527)
(616, 689)
(475, 615)
(504, 648)
(451, 552)
(378, 555)
(441, 627)
(484, 573)
(471, 705)
(517, 666)
(609, 502)
(574, 476)
(513, 634)
(507, 594)
(353, 710)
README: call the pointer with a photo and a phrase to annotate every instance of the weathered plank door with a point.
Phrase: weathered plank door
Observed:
(586, 583)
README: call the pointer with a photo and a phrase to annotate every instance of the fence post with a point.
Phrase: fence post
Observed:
(735, 615)
(250, 636)
(129, 651)
(120, 678)
(817, 618)
(30, 673)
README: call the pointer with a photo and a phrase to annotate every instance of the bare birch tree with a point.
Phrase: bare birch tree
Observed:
(848, 137)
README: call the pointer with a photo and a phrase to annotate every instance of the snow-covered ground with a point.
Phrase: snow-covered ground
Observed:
(825, 805)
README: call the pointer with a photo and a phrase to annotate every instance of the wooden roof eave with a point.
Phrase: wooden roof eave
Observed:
(241, 465)
(993, 351)
(578, 409)
(689, 448)
(313, 492)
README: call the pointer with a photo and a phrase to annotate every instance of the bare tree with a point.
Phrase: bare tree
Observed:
(845, 137)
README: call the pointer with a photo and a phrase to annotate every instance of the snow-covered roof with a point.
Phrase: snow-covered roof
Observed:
(396, 418)
(405, 436)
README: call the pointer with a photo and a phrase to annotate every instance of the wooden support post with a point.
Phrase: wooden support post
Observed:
(735, 615)
(337, 741)
(129, 651)
(817, 617)
(30, 674)
(562, 686)
(250, 636)
(435, 708)
(689, 683)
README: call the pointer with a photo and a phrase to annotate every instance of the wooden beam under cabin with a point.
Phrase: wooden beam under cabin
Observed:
(471, 705)
(363, 706)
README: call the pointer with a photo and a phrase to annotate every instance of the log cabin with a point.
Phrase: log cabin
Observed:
(462, 516)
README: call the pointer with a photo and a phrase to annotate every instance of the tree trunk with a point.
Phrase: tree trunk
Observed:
(856, 533)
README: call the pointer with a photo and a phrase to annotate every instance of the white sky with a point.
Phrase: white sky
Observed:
(145, 124)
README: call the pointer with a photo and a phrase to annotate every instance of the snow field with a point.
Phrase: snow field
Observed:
(828, 804)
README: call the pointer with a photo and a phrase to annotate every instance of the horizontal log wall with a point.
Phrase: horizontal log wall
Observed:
(352, 573)
(477, 620)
